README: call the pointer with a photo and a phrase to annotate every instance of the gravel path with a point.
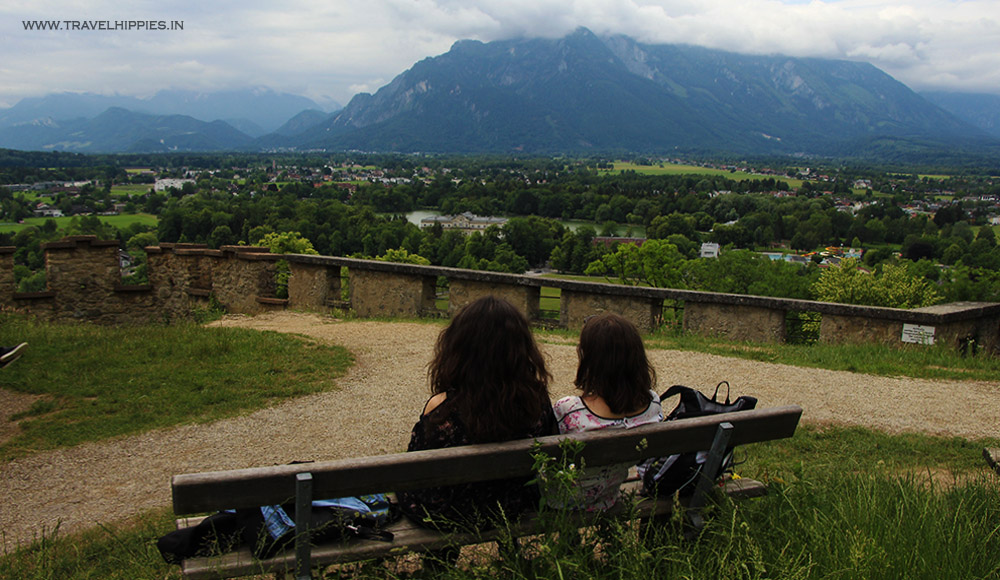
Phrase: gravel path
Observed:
(379, 399)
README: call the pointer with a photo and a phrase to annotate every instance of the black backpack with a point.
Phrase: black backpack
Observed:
(664, 476)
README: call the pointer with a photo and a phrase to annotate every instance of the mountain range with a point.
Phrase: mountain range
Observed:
(254, 111)
(980, 110)
(577, 94)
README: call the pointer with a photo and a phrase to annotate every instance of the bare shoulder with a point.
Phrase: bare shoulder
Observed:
(434, 402)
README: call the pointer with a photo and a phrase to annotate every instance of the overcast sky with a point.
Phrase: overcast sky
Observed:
(332, 49)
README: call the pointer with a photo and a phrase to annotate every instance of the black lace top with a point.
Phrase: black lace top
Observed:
(472, 505)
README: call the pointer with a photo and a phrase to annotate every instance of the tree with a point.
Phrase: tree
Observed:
(844, 283)
(286, 243)
(805, 240)
(952, 254)
(221, 236)
(894, 287)
(576, 250)
(657, 263)
(745, 272)
(675, 223)
(533, 237)
(401, 256)
(916, 248)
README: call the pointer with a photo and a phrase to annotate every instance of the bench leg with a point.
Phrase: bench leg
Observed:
(705, 481)
(303, 526)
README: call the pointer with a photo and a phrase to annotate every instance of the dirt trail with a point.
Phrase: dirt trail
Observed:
(377, 402)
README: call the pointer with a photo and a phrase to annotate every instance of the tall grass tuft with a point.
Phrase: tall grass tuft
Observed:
(106, 552)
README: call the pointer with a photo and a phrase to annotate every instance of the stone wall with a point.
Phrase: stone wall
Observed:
(84, 283)
(960, 324)
(243, 279)
(462, 292)
(576, 306)
(837, 328)
(736, 322)
(377, 293)
(313, 287)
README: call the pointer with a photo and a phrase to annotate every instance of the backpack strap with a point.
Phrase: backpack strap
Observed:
(716, 393)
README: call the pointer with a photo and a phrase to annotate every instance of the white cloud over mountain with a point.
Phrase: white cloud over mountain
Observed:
(332, 49)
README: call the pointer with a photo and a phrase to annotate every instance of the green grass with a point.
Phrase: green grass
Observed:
(934, 362)
(843, 503)
(96, 382)
(681, 169)
(119, 221)
(131, 189)
(124, 551)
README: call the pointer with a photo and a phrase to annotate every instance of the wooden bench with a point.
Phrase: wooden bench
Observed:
(992, 457)
(212, 491)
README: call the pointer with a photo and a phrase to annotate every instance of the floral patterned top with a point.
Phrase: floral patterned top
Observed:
(598, 490)
(472, 505)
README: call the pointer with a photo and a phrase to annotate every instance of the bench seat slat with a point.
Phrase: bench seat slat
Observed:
(408, 537)
(211, 491)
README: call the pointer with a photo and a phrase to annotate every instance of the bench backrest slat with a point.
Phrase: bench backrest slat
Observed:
(210, 491)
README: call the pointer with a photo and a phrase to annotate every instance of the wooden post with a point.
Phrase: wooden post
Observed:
(706, 477)
(303, 525)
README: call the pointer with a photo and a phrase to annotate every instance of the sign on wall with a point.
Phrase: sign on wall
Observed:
(918, 334)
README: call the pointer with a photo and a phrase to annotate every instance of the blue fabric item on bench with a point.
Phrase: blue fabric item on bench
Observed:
(271, 529)
(373, 508)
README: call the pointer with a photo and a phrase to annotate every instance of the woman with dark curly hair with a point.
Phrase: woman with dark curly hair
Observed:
(489, 384)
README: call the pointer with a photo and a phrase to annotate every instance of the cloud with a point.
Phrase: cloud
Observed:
(335, 48)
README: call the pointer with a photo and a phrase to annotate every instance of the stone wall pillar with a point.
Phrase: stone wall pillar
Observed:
(7, 285)
(242, 276)
(181, 277)
(463, 292)
(83, 272)
(310, 286)
(377, 293)
(735, 321)
(980, 334)
(576, 306)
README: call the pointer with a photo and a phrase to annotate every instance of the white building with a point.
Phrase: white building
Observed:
(468, 222)
(165, 184)
(44, 210)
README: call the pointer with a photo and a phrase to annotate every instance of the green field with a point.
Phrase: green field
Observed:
(678, 169)
(118, 221)
(131, 189)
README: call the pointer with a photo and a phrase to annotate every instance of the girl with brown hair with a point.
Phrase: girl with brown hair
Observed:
(489, 384)
(616, 381)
